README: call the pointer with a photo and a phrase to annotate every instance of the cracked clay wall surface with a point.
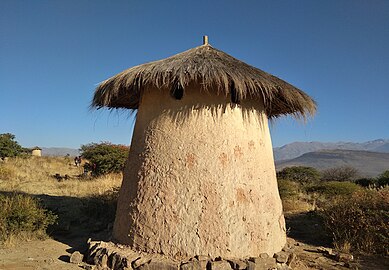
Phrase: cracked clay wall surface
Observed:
(200, 179)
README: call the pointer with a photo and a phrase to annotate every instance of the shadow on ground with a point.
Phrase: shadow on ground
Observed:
(78, 218)
(307, 228)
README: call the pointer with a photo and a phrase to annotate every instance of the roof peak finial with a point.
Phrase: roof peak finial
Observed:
(205, 40)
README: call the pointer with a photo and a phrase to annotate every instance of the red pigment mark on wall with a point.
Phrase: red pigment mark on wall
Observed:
(251, 145)
(190, 160)
(238, 151)
(223, 158)
(241, 196)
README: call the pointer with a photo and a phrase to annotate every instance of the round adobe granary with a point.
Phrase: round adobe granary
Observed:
(200, 178)
(36, 151)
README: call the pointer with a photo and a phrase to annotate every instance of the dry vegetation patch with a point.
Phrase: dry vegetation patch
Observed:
(359, 222)
(354, 218)
(35, 175)
(22, 217)
(29, 188)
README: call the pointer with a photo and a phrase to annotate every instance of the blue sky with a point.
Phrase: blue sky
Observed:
(54, 53)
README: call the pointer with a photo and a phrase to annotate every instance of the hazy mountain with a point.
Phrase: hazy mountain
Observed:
(367, 163)
(297, 149)
(58, 151)
(315, 154)
(384, 148)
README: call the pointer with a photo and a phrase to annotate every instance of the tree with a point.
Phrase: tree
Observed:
(105, 157)
(299, 174)
(343, 173)
(9, 147)
(380, 181)
(383, 179)
(366, 182)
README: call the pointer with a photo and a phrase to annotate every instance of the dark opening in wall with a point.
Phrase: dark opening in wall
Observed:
(234, 94)
(177, 91)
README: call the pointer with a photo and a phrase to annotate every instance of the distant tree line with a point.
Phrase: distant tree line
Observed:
(310, 175)
(102, 158)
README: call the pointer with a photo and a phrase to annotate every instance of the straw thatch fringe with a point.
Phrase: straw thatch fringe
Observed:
(213, 70)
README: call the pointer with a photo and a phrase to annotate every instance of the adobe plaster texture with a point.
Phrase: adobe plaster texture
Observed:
(200, 179)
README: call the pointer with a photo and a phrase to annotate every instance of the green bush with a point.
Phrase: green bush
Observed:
(288, 189)
(23, 214)
(366, 182)
(383, 179)
(8, 146)
(293, 198)
(360, 221)
(334, 188)
(299, 174)
(105, 157)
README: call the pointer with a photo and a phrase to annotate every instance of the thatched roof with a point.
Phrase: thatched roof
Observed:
(212, 69)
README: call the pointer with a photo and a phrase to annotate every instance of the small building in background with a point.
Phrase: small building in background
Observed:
(36, 151)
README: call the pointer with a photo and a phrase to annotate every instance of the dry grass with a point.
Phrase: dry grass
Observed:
(356, 219)
(15, 239)
(294, 200)
(297, 205)
(359, 221)
(79, 203)
(34, 175)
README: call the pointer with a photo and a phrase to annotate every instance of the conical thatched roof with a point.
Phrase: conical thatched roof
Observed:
(212, 69)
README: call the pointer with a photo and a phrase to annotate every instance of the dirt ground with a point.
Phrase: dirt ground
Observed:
(50, 254)
(304, 230)
(34, 255)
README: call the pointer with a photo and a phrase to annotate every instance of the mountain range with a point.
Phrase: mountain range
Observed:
(369, 158)
(59, 151)
(368, 164)
(296, 149)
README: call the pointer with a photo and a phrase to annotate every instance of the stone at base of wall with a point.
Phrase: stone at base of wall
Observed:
(109, 256)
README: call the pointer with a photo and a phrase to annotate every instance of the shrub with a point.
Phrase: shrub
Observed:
(105, 157)
(288, 188)
(22, 214)
(383, 179)
(299, 174)
(343, 173)
(293, 199)
(366, 182)
(334, 188)
(385, 174)
(360, 221)
(8, 146)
